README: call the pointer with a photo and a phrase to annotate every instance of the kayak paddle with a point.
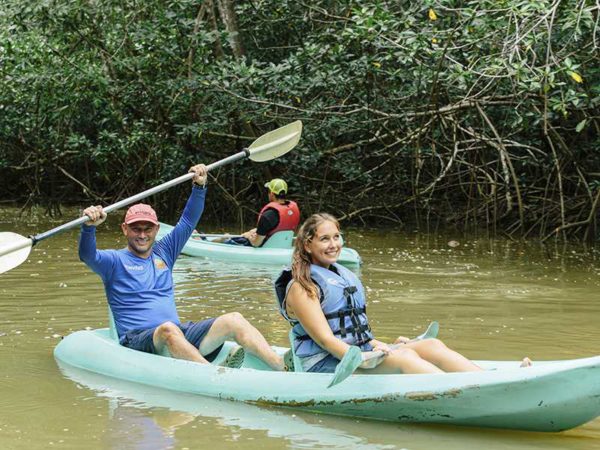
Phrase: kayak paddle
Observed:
(353, 357)
(215, 235)
(14, 248)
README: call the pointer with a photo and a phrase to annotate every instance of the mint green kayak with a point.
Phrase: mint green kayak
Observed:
(550, 396)
(276, 251)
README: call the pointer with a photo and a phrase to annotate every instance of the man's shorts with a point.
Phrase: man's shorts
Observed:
(194, 332)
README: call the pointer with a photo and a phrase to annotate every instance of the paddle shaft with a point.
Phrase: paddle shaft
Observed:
(32, 240)
(147, 193)
(134, 198)
(213, 235)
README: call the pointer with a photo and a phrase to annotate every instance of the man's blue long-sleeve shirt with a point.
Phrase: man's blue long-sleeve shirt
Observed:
(140, 291)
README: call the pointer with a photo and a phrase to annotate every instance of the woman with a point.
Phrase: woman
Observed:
(325, 304)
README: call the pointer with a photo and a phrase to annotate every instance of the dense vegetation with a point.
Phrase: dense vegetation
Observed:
(436, 113)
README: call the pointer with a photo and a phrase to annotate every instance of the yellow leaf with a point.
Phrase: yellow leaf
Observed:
(578, 78)
(298, 99)
(434, 40)
(432, 14)
(376, 64)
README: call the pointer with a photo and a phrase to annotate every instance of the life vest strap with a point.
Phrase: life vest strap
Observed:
(345, 312)
(358, 331)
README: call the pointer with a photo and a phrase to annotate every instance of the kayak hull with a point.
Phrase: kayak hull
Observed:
(550, 396)
(271, 255)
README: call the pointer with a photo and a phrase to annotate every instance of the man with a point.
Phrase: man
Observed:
(139, 286)
(279, 214)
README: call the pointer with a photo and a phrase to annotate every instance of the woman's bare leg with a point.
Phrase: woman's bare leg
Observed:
(403, 360)
(436, 352)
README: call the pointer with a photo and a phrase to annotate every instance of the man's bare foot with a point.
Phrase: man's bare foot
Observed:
(526, 362)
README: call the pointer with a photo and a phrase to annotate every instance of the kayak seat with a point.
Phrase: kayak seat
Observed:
(112, 329)
(281, 239)
(291, 361)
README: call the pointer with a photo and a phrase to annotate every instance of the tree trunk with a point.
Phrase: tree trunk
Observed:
(229, 18)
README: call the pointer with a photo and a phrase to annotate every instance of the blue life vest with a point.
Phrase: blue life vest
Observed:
(342, 300)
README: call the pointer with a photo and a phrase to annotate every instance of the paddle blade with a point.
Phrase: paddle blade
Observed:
(276, 143)
(14, 249)
(431, 332)
(346, 367)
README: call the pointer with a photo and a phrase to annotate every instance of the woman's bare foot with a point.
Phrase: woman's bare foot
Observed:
(526, 362)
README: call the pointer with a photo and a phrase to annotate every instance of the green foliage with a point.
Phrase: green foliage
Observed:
(469, 111)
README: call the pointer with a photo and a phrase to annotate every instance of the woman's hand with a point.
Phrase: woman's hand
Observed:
(380, 347)
(402, 340)
(371, 359)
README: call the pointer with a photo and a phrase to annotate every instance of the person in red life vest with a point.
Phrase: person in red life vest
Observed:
(279, 214)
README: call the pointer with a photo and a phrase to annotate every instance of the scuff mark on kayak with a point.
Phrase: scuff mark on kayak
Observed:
(421, 396)
(382, 399)
(310, 403)
(406, 418)
(424, 415)
(291, 403)
(415, 396)
(452, 393)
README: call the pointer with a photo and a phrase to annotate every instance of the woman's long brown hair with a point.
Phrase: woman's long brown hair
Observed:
(301, 259)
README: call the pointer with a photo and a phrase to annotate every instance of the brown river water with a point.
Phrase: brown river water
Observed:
(494, 299)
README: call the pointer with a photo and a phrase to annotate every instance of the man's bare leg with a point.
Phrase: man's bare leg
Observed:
(170, 335)
(233, 326)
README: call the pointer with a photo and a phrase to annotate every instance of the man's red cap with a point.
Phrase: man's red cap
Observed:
(141, 213)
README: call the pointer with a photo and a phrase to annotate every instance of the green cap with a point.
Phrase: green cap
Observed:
(277, 186)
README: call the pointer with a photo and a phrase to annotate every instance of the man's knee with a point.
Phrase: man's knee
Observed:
(235, 320)
(235, 325)
(167, 331)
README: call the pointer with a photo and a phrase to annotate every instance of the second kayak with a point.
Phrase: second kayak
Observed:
(276, 251)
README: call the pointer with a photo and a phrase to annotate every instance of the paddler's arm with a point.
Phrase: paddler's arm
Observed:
(308, 311)
(195, 204)
(255, 239)
(99, 261)
(267, 222)
(173, 242)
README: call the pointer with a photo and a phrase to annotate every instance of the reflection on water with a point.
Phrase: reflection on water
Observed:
(142, 417)
(493, 299)
(135, 426)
